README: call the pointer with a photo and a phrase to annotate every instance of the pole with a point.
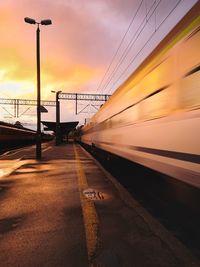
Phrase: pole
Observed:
(17, 108)
(76, 105)
(38, 135)
(57, 119)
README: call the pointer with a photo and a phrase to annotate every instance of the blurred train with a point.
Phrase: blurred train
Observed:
(17, 135)
(154, 117)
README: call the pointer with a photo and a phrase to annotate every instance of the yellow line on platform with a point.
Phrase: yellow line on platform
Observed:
(90, 217)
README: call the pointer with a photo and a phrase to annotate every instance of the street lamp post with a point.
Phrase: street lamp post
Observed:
(57, 117)
(38, 135)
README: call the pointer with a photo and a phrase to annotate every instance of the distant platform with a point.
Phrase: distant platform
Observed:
(65, 127)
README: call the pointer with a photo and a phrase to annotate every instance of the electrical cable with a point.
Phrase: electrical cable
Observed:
(131, 43)
(144, 45)
(114, 56)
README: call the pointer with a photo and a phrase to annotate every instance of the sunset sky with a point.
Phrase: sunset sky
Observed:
(77, 48)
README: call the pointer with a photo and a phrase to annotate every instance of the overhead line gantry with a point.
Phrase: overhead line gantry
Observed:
(63, 96)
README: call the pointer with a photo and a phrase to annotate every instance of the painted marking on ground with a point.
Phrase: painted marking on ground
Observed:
(9, 166)
(11, 152)
(93, 194)
(90, 217)
(15, 151)
(46, 149)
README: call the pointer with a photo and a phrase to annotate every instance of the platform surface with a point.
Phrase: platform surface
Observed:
(65, 210)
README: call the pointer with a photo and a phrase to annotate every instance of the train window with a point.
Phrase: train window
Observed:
(196, 69)
(159, 77)
(126, 117)
(156, 105)
(101, 126)
(156, 92)
(189, 93)
(188, 56)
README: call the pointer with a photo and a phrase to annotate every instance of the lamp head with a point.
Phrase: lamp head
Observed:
(57, 92)
(46, 22)
(29, 20)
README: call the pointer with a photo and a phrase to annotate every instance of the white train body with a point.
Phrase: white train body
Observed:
(154, 117)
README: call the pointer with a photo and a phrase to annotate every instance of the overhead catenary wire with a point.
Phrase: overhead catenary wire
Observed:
(121, 42)
(133, 59)
(138, 32)
(134, 39)
(131, 43)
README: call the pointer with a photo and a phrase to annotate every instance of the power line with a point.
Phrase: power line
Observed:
(144, 45)
(131, 43)
(112, 60)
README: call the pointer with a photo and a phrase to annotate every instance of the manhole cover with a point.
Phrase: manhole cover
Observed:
(93, 194)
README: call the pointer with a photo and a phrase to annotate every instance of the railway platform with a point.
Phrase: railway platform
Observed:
(66, 210)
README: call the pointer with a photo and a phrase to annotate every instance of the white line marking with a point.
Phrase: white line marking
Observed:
(46, 149)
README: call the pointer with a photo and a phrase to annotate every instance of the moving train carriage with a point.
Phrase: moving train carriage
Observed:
(154, 117)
